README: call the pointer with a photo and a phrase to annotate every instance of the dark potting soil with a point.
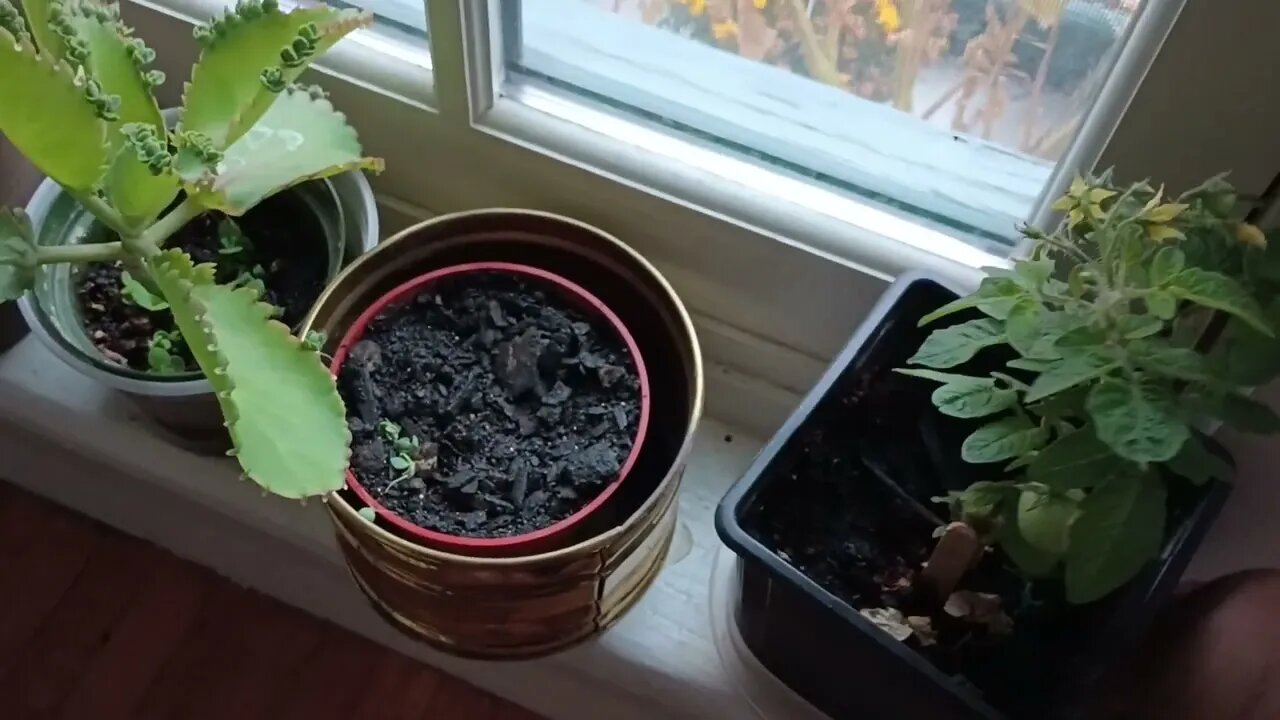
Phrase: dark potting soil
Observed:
(848, 504)
(524, 409)
(285, 241)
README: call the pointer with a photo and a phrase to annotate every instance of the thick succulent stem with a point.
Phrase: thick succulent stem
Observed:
(79, 254)
(152, 240)
(106, 214)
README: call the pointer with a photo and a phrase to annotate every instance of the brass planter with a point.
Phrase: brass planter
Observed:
(513, 608)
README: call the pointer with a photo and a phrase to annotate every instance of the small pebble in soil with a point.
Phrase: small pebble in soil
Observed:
(530, 407)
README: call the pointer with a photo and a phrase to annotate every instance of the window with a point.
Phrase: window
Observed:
(951, 111)
(779, 231)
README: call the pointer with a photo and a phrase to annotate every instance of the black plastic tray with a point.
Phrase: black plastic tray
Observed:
(837, 660)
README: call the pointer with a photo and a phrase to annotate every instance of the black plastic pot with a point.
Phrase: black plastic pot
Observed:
(821, 646)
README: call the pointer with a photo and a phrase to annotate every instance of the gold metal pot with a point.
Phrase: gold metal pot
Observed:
(512, 608)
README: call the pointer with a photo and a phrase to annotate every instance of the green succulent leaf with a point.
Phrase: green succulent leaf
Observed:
(1078, 459)
(1001, 440)
(226, 96)
(995, 297)
(1195, 463)
(1077, 366)
(1219, 292)
(282, 407)
(38, 16)
(136, 293)
(951, 346)
(300, 138)
(1119, 529)
(46, 115)
(1137, 418)
(116, 61)
(17, 254)
(1044, 519)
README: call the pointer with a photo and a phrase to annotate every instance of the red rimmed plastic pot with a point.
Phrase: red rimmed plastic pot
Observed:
(561, 533)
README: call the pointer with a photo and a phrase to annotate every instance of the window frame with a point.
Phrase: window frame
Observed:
(775, 286)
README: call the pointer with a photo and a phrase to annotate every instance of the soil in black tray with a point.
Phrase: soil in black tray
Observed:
(848, 505)
(285, 252)
(522, 409)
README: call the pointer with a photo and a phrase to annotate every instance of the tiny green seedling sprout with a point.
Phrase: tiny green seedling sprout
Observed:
(367, 513)
(231, 239)
(315, 340)
(162, 352)
(404, 451)
(136, 293)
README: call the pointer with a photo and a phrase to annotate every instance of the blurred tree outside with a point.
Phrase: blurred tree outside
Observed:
(1020, 73)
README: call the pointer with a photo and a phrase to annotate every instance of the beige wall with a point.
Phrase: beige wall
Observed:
(1247, 533)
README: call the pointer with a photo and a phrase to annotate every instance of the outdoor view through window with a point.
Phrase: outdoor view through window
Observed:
(953, 110)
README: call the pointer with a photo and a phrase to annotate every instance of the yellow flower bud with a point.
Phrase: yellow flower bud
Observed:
(1250, 235)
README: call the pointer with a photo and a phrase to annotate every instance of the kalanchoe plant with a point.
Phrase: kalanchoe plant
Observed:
(76, 99)
(1138, 318)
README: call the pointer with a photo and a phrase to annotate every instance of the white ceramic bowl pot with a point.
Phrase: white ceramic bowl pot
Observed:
(340, 208)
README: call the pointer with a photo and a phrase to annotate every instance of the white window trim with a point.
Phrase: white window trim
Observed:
(776, 273)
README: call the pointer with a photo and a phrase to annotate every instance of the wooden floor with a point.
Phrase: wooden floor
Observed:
(97, 625)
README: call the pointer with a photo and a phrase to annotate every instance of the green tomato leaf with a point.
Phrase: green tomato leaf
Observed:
(1077, 366)
(1078, 459)
(130, 187)
(1245, 356)
(1001, 440)
(47, 116)
(1219, 292)
(1030, 365)
(1168, 261)
(1119, 529)
(1195, 463)
(1248, 415)
(995, 297)
(17, 254)
(1066, 405)
(300, 138)
(1044, 520)
(1136, 327)
(973, 398)
(1162, 304)
(951, 346)
(227, 96)
(1137, 418)
(1032, 561)
(282, 407)
(1159, 357)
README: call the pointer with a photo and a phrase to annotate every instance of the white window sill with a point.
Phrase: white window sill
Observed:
(67, 438)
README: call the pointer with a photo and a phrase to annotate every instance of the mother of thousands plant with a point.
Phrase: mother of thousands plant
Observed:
(1137, 318)
(76, 99)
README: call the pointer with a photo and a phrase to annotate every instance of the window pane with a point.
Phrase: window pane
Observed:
(954, 111)
(403, 19)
